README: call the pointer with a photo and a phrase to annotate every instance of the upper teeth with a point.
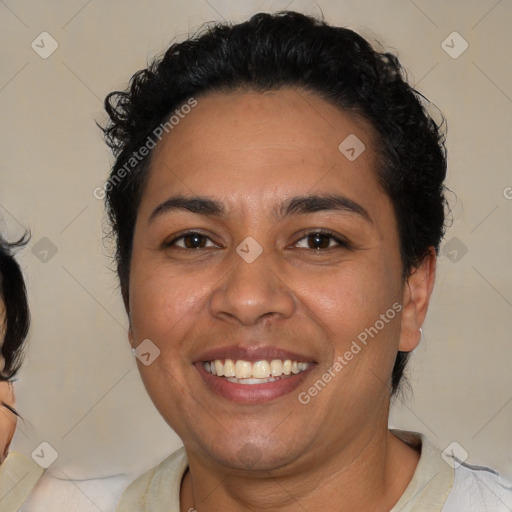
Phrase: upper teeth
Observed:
(259, 370)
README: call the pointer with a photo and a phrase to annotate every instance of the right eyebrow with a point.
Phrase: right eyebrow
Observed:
(198, 205)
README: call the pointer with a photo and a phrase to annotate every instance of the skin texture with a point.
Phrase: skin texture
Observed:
(7, 418)
(251, 151)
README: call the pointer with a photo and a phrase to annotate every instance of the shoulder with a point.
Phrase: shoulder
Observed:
(442, 482)
(18, 476)
(158, 486)
(478, 489)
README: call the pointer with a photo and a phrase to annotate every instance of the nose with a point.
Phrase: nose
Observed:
(252, 292)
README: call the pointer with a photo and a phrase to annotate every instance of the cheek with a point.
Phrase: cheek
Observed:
(7, 428)
(350, 298)
(165, 311)
(166, 306)
(162, 308)
(161, 301)
(348, 306)
(7, 418)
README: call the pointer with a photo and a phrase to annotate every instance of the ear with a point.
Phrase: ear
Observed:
(416, 296)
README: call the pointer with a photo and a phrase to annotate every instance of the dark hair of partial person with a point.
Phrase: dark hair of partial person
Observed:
(17, 314)
(288, 49)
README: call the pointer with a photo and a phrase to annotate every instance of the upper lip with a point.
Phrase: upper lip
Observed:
(252, 354)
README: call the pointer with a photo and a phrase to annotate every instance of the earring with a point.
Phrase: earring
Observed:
(133, 350)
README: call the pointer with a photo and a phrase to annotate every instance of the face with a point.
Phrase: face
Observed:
(258, 242)
(7, 417)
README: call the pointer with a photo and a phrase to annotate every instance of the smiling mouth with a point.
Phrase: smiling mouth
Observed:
(259, 372)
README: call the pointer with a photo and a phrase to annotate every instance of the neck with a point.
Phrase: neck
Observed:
(369, 474)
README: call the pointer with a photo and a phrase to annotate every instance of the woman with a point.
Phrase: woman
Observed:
(14, 325)
(18, 474)
(278, 205)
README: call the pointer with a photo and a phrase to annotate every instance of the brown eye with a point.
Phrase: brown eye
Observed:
(191, 241)
(320, 240)
(194, 241)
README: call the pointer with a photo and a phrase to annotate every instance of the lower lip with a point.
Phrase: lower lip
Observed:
(252, 393)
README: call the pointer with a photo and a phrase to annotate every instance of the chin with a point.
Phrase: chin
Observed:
(250, 454)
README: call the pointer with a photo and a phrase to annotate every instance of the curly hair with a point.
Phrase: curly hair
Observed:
(288, 49)
(17, 315)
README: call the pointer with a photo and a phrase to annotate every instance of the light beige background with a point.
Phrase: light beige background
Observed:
(79, 389)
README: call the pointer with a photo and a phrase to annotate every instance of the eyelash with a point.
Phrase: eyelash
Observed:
(342, 243)
(11, 408)
(324, 232)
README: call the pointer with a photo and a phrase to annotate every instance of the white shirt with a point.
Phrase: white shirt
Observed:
(18, 476)
(436, 486)
(27, 487)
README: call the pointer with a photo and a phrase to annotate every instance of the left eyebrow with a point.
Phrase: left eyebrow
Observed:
(317, 203)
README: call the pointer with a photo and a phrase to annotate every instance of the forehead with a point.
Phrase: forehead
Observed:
(260, 147)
